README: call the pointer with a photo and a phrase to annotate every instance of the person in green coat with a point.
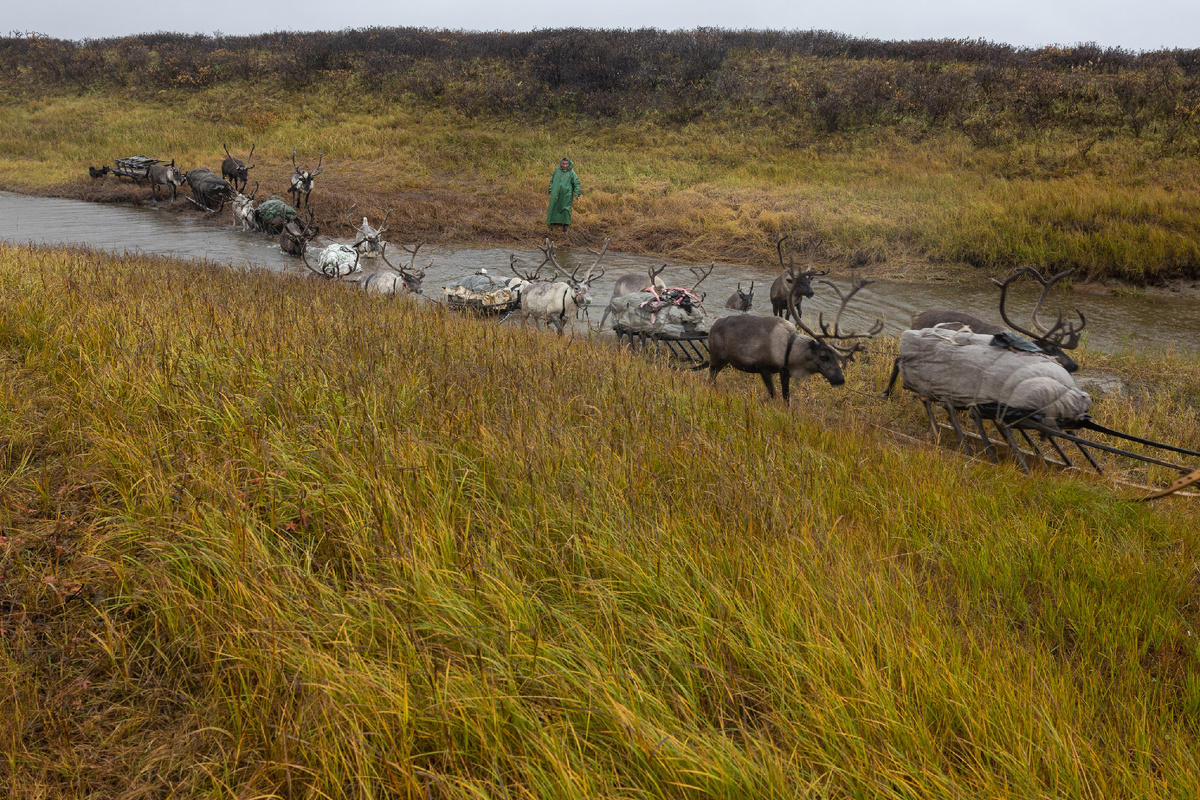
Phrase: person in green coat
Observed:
(564, 190)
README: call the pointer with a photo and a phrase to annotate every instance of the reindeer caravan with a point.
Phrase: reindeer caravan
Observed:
(977, 372)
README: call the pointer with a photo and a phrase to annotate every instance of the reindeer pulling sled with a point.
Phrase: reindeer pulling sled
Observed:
(484, 293)
(1023, 390)
(670, 318)
(136, 168)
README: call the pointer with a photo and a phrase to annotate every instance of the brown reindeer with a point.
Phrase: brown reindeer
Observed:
(235, 170)
(294, 237)
(302, 180)
(769, 346)
(791, 287)
(1053, 341)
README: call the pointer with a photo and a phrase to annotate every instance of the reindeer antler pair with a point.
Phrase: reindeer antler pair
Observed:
(1061, 333)
(845, 354)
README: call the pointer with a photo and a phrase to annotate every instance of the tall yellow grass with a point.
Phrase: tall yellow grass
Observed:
(265, 537)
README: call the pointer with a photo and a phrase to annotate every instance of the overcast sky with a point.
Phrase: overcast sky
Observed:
(1132, 25)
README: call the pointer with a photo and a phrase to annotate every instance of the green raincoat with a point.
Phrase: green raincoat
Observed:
(564, 188)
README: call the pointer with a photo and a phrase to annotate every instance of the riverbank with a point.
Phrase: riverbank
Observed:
(908, 204)
(273, 536)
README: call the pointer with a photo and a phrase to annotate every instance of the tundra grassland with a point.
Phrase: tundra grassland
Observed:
(269, 537)
(906, 158)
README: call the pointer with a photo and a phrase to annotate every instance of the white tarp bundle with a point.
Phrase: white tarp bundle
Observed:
(490, 290)
(338, 259)
(965, 369)
(659, 313)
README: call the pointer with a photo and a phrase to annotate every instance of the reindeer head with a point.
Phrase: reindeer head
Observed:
(833, 340)
(411, 276)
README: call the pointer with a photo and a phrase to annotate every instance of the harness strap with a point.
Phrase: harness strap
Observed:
(787, 354)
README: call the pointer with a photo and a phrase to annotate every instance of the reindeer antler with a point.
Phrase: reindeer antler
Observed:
(319, 168)
(383, 225)
(294, 159)
(1068, 338)
(845, 354)
(703, 273)
(780, 238)
(814, 247)
(532, 277)
(588, 277)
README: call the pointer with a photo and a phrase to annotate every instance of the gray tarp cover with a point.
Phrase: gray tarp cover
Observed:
(632, 312)
(965, 369)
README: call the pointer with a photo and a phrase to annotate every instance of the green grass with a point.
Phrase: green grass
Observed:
(894, 200)
(265, 537)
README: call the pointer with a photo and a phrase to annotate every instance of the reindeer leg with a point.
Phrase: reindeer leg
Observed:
(892, 380)
(768, 379)
(785, 379)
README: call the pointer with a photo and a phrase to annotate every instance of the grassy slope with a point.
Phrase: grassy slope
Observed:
(889, 201)
(264, 537)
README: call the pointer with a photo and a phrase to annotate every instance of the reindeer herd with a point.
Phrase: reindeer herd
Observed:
(548, 294)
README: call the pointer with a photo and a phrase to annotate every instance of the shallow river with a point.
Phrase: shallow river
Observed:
(1114, 323)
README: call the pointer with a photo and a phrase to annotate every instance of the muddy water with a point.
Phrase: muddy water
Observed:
(1114, 323)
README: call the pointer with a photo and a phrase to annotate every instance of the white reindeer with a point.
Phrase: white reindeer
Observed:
(550, 302)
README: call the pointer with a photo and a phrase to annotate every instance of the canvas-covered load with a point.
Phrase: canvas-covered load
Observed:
(485, 290)
(338, 259)
(275, 212)
(671, 314)
(966, 369)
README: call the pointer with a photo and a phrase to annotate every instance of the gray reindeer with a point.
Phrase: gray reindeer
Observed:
(167, 175)
(739, 300)
(235, 170)
(769, 346)
(791, 287)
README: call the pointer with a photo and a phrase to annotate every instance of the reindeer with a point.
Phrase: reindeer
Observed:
(164, 175)
(1053, 341)
(243, 210)
(739, 300)
(234, 169)
(628, 284)
(368, 240)
(294, 237)
(302, 179)
(771, 345)
(395, 281)
(791, 287)
(550, 302)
